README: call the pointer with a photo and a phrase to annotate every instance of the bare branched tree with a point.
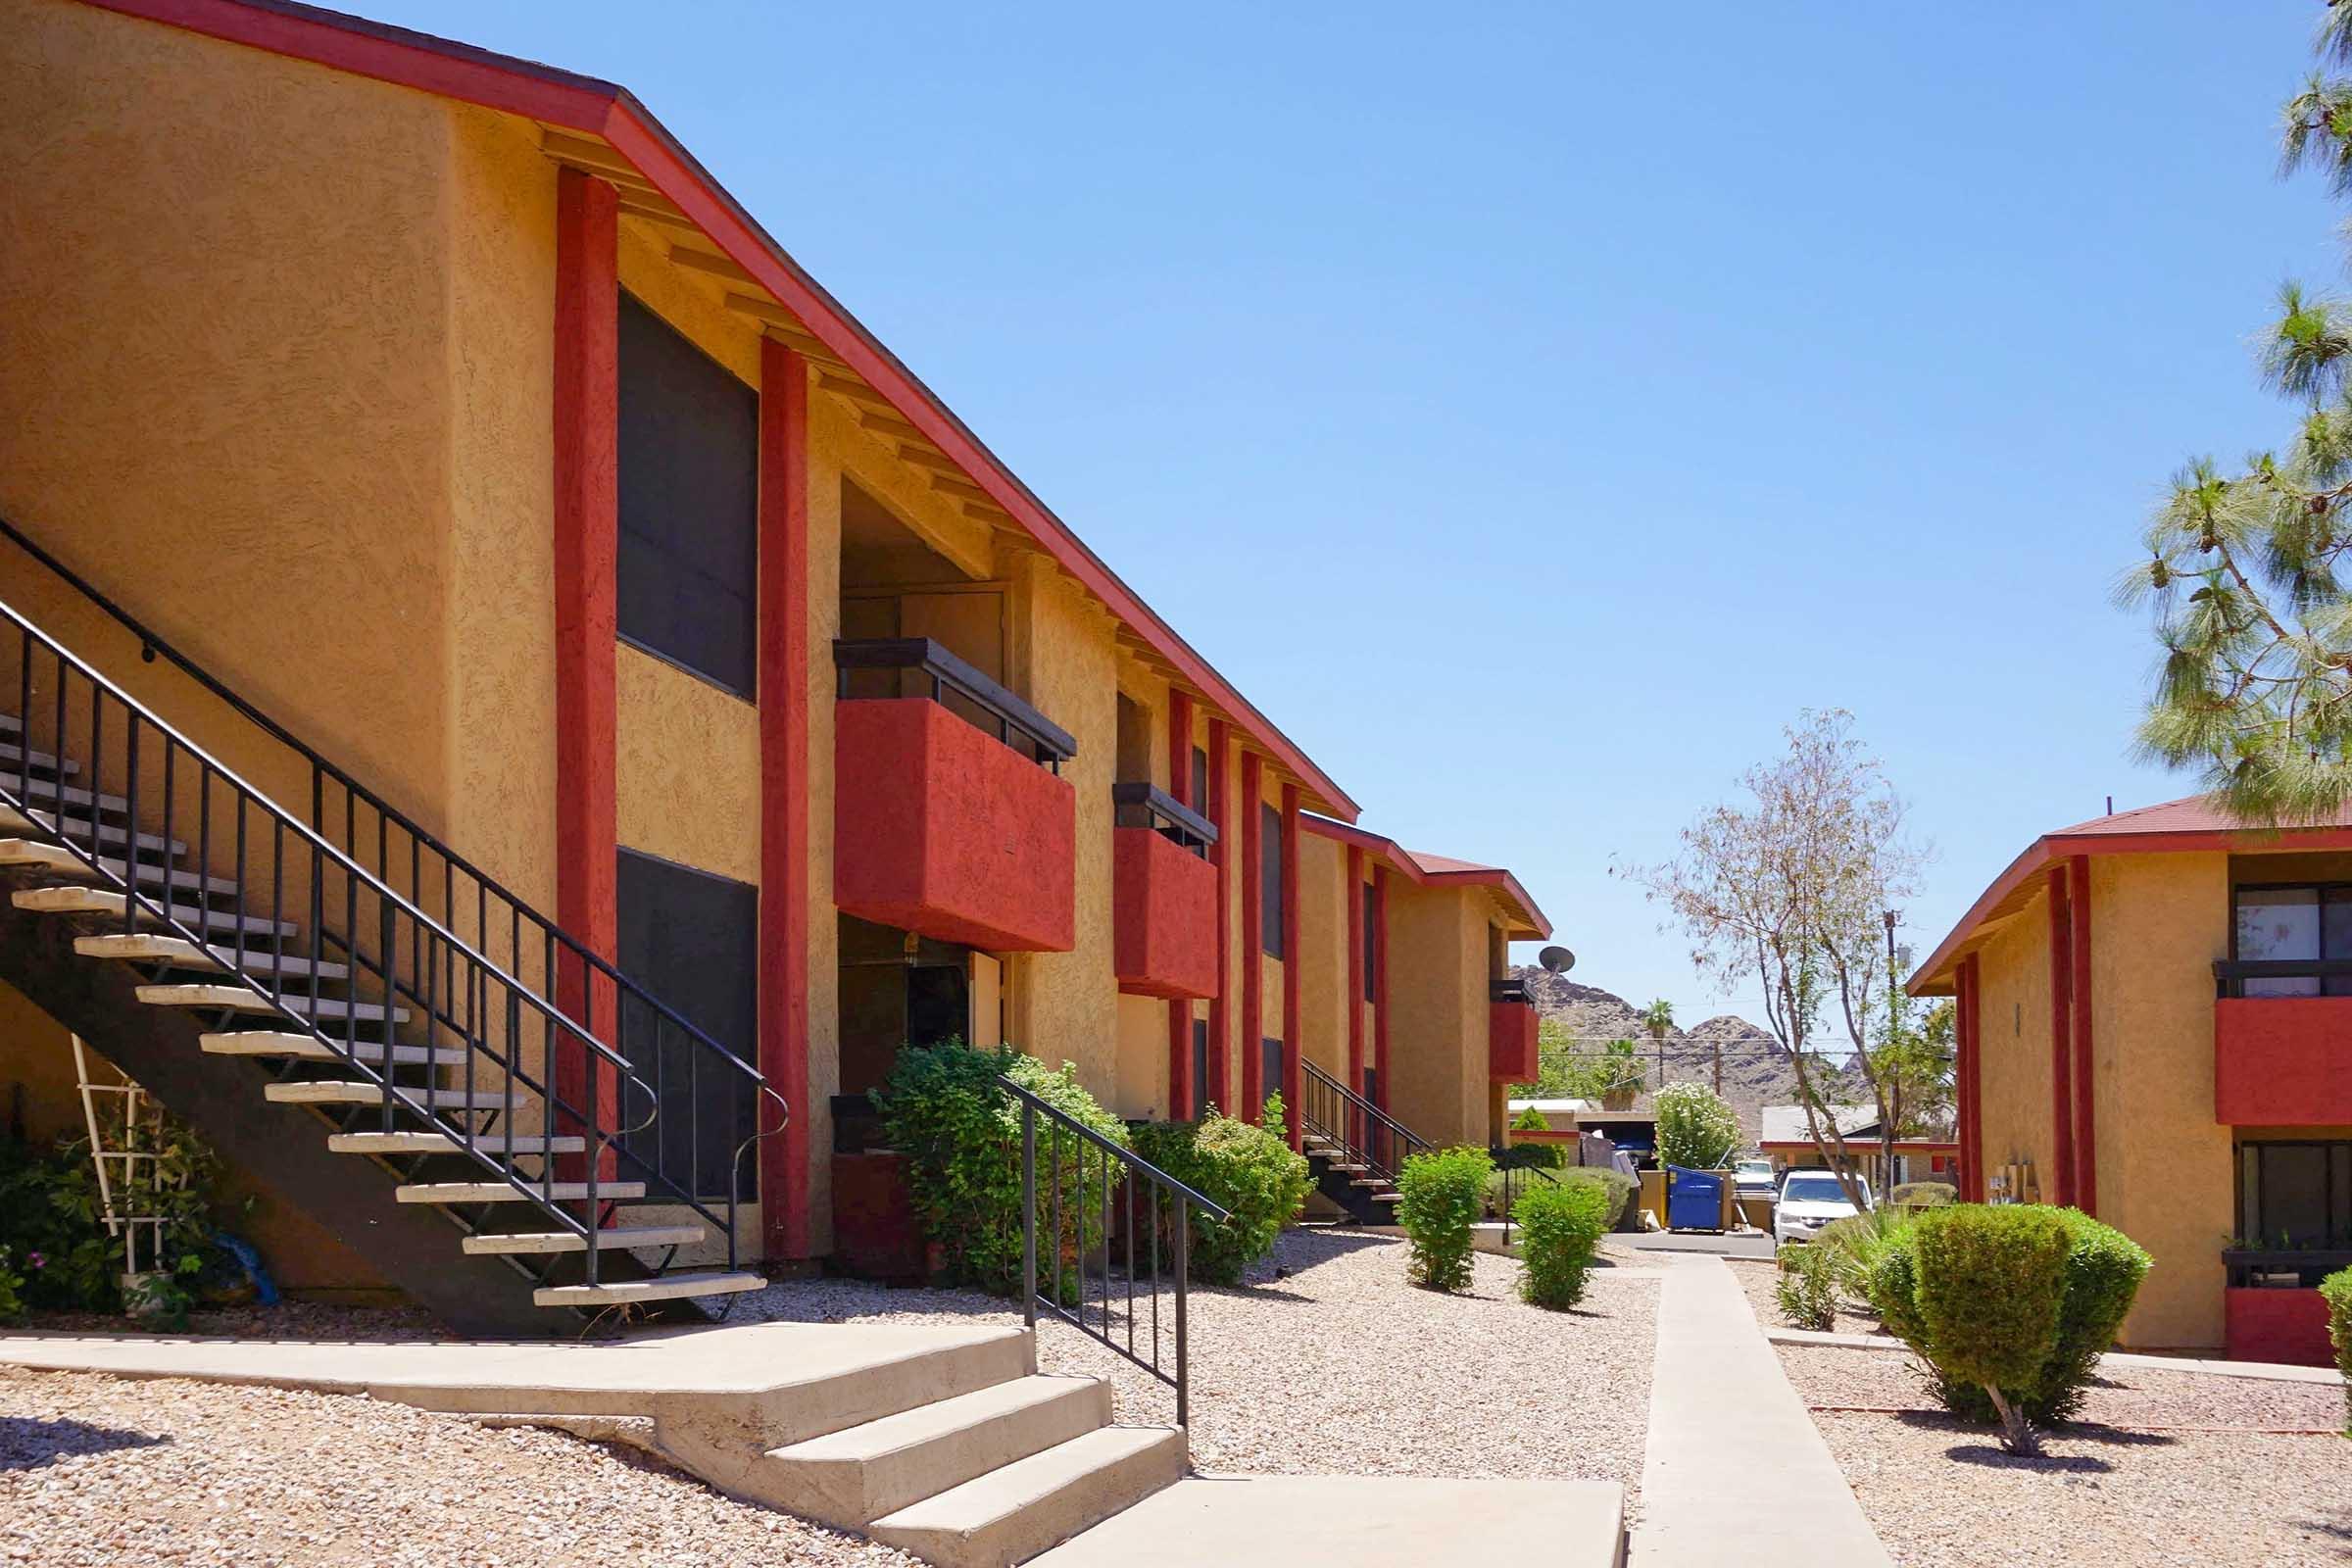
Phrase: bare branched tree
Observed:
(1788, 889)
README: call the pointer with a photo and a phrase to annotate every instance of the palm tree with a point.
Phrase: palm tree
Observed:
(1658, 1018)
(1621, 1078)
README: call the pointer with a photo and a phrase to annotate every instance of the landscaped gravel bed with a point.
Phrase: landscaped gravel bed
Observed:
(114, 1473)
(1759, 1277)
(1338, 1367)
(288, 1320)
(2108, 1490)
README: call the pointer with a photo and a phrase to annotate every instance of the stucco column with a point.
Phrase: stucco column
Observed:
(1294, 1053)
(587, 536)
(2078, 952)
(1355, 974)
(1254, 943)
(1183, 1093)
(2062, 1062)
(784, 849)
(1380, 985)
(1220, 1016)
(1967, 1127)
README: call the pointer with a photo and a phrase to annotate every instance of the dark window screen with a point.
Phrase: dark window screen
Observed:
(1200, 800)
(691, 940)
(1204, 1092)
(1371, 943)
(1271, 1056)
(1269, 844)
(2295, 1194)
(689, 556)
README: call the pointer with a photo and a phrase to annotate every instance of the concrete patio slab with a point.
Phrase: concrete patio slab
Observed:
(1357, 1522)
(1735, 1469)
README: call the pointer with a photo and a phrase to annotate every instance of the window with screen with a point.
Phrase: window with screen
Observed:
(1200, 800)
(687, 573)
(1204, 1092)
(691, 939)
(2290, 925)
(1270, 1064)
(1371, 943)
(2293, 1195)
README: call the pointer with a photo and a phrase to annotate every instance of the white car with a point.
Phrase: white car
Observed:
(1810, 1200)
(1753, 1178)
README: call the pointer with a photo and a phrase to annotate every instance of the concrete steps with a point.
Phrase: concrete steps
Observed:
(662, 1288)
(1015, 1512)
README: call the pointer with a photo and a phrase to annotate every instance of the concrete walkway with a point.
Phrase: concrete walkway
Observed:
(2112, 1362)
(1736, 1470)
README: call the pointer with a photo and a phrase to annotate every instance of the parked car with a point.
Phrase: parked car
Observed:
(1754, 1178)
(1810, 1200)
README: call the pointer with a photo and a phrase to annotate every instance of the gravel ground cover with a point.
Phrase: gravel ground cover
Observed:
(1759, 1276)
(288, 1320)
(1326, 1362)
(2124, 1484)
(97, 1472)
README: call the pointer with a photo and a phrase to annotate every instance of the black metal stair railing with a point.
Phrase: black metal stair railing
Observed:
(591, 1079)
(1091, 1185)
(1361, 1131)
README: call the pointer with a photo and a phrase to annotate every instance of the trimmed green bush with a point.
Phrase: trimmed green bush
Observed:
(1248, 1170)
(962, 1136)
(1619, 1188)
(1991, 1283)
(1444, 1194)
(1806, 1291)
(1697, 1129)
(1546, 1156)
(2337, 1290)
(1559, 1223)
(1923, 1194)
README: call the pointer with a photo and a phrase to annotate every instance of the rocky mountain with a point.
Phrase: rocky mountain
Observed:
(1755, 1073)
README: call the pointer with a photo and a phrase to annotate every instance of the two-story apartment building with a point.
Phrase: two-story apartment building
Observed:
(2155, 1026)
(469, 588)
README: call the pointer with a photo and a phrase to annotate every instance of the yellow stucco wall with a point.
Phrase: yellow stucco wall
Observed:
(1323, 895)
(2014, 1037)
(1437, 1012)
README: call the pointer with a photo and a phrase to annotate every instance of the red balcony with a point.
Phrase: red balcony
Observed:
(2276, 1325)
(1511, 1034)
(943, 828)
(2282, 1062)
(1163, 896)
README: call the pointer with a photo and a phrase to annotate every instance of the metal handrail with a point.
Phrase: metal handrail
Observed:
(1181, 1203)
(420, 842)
(1513, 989)
(1166, 816)
(1368, 1135)
(948, 671)
(433, 948)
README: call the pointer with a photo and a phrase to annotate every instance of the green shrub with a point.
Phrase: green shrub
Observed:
(1923, 1194)
(1444, 1194)
(1807, 1288)
(1248, 1170)
(2337, 1290)
(1697, 1129)
(1853, 1246)
(962, 1135)
(1991, 1283)
(1560, 1223)
(1618, 1186)
(2102, 1276)
(1546, 1156)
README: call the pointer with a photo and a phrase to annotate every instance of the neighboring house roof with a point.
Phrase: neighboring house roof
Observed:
(1785, 1126)
(2195, 823)
(565, 101)
(1554, 1107)
(1423, 869)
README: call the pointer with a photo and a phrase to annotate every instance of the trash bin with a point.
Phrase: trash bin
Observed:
(1694, 1199)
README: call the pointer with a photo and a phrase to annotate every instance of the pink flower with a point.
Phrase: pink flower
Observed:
(36, 1260)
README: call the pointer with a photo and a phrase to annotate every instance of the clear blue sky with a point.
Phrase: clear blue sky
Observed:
(1533, 406)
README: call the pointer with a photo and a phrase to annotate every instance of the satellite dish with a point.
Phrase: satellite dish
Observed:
(1556, 960)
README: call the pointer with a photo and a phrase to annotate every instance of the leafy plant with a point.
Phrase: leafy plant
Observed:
(2337, 1290)
(1923, 1194)
(1547, 1156)
(1561, 1223)
(53, 1223)
(1852, 1246)
(943, 1109)
(1806, 1291)
(1443, 1195)
(1248, 1170)
(1696, 1127)
(12, 1284)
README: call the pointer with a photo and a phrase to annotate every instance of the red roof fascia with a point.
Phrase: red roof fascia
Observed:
(1462, 874)
(600, 108)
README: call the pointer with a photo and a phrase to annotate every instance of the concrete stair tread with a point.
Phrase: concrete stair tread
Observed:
(607, 1237)
(660, 1288)
(14, 755)
(146, 947)
(42, 797)
(501, 1193)
(107, 901)
(19, 855)
(436, 1142)
(307, 1048)
(241, 999)
(328, 1092)
(859, 1473)
(78, 828)
(1015, 1511)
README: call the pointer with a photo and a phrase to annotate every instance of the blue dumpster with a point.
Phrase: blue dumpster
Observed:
(1694, 1199)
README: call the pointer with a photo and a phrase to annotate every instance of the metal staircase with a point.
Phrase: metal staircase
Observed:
(1354, 1148)
(440, 1076)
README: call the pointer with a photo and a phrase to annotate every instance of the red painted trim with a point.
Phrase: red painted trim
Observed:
(784, 840)
(1254, 943)
(1967, 1112)
(586, 494)
(1221, 1019)
(2086, 1082)
(1380, 985)
(2062, 1060)
(2278, 1061)
(1356, 969)
(1184, 1095)
(600, 108)
(1293, 1042)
